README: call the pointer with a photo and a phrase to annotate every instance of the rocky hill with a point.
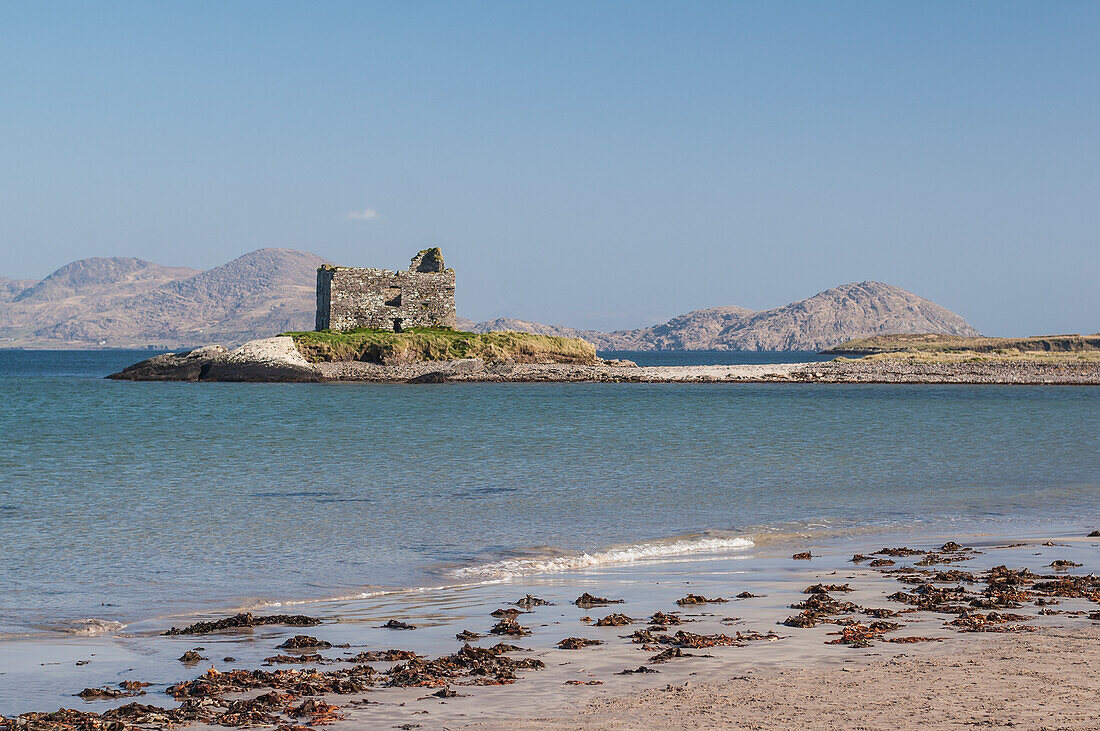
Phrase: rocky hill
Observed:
(11, 288)
(130, 302)
(124, 302)
(831, 317)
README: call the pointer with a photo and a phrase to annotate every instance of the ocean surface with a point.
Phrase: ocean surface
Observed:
(124, 501)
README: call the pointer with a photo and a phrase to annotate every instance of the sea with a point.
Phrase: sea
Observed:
(121, 502)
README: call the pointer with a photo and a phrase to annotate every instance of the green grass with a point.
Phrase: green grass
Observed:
(428, 344)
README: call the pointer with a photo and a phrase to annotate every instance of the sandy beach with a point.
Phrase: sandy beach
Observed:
(1044, 680)
(979, 649)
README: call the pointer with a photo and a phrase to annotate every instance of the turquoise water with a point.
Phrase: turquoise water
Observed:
(128, 500)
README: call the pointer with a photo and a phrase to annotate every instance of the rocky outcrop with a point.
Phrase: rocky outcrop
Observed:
(268, 360)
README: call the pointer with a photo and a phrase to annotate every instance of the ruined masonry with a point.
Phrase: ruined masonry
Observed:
(353, 297)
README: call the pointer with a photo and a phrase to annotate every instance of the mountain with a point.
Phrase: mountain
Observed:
(99, 276)
(133, 302)
(510, 324)
(860, 309)
(12, 288)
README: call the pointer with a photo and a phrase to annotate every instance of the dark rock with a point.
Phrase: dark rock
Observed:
(641, 669)
(691, 599)
(383, 656)
(1063, 564)
(614, 620)
(304, 642)
(430, 377)
(576, 643)
(530, 602)
(903, 551)
(509, 626)
(445, 693)
(587, 601)
(304, 658)
(245, 619)
(174, 366)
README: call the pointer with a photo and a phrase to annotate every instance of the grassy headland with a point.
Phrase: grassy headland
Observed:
(430, 344)
(959, 348)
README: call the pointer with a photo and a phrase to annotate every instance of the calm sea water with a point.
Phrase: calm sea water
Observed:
(127, 500)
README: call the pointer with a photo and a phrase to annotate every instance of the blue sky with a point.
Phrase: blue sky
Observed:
(594, 164)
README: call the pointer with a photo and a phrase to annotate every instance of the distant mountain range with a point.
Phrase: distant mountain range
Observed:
(822, 321)
(130, 302)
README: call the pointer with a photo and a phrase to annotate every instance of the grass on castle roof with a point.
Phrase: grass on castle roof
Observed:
(430, 344)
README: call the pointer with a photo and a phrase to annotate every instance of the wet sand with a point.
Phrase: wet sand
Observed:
(793, 679)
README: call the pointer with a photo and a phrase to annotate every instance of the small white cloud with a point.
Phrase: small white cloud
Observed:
(367, 214)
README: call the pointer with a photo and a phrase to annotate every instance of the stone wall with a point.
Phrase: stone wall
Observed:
(353, 297)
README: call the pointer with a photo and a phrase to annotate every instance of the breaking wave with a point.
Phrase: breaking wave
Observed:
(277, 603)
(514, 567)
(90, 627)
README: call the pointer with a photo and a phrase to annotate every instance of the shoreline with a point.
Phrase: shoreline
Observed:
(278, 360)
(768, 572)
(510, 568)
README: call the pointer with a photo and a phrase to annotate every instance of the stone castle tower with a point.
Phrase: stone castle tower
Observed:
(353, 297)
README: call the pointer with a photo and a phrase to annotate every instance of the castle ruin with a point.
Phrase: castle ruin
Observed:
(354, 297)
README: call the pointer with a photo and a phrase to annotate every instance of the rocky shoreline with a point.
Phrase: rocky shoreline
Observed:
(278, 360)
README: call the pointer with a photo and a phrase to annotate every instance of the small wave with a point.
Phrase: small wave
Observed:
(275, 604)
(90, 627)
(513, 567)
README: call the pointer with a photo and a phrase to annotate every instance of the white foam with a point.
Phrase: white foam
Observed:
(300, 602)
(513, 567)
(91, 627)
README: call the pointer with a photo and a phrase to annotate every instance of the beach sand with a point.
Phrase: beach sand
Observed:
(775, 676)
(1046, 680)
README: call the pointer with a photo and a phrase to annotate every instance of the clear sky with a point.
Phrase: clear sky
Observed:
(593, 164)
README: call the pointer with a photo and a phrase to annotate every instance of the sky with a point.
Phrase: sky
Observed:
(594, 164)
